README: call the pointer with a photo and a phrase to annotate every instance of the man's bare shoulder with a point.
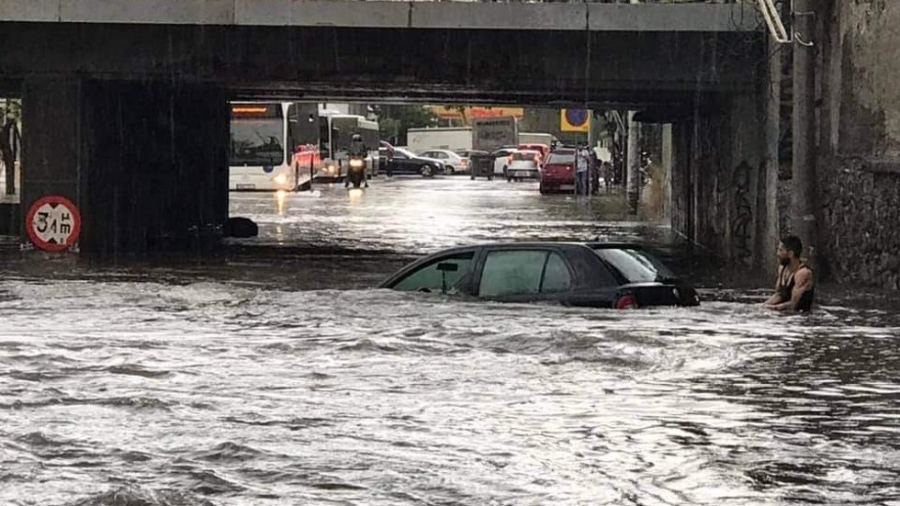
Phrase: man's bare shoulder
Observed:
(803, 277)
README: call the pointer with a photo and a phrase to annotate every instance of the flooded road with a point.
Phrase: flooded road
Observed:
(200, 385)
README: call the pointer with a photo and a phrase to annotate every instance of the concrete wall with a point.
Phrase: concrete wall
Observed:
(859, 168)
(718, 164)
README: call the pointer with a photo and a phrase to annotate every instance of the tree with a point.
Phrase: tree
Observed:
(395, 120)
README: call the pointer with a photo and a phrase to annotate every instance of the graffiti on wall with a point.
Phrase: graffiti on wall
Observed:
(742, 222)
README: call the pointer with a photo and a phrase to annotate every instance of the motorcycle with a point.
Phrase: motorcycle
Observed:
(356, 174)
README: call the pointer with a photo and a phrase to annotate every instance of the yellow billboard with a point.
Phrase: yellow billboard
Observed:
(575, 120)
(467, 114)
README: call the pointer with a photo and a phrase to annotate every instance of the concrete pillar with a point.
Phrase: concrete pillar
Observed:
(51, 142)
(159, 171)
(668, 163)
(633, 181)
(145, 162)
(767, 187)
(681, 181)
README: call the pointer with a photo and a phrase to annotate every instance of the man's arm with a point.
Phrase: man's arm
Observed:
(776, 297)
(802, 282)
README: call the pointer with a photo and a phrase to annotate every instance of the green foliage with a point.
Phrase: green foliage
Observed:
(395, 120)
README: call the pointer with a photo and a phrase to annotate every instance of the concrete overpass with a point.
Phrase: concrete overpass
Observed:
(125, 99)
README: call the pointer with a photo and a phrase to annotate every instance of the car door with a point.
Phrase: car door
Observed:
(402, 163)
(434, 275)
(502, 160)
(524, 275)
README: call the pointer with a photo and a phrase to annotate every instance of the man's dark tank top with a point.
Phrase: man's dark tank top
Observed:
(785, 289)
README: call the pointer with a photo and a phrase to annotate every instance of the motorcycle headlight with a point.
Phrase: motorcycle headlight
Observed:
(357, 164)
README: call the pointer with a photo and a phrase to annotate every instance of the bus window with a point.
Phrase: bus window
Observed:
(256, 141)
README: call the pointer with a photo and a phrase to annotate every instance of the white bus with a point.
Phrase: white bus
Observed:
(271, 145)
(335, 132)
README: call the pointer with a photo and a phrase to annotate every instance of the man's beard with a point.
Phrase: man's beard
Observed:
(785, 261)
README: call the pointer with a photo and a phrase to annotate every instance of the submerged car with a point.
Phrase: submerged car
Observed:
(589, 274)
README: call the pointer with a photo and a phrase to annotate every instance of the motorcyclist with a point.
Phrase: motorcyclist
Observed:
(357, 149)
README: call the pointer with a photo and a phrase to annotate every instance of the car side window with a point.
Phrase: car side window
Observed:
(556, 275)
(512, 273)
(431, 278)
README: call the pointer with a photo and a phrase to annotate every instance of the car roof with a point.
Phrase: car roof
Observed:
(545, 244)
(613, 245)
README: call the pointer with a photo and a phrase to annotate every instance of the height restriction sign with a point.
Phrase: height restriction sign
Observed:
(53, 223)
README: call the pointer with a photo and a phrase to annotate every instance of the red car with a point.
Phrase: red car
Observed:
(558, 172)
(543, 148)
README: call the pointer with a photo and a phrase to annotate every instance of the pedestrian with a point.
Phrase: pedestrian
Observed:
(794, 287)
(10, 141)
(581, 171)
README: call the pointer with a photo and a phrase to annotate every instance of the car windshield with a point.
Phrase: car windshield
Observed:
(408, 154)
(635, 265)
(561, 158)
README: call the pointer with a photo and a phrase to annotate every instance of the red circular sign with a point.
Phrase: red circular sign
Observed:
(53, 223)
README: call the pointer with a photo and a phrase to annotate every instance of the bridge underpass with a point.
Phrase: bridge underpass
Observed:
(130, 121)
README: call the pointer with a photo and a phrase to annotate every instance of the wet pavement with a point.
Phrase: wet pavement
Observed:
(274, 375)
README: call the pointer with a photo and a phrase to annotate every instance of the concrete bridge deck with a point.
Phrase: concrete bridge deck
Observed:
(692, 17)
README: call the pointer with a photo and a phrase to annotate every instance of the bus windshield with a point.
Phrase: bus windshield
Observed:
(256, 141)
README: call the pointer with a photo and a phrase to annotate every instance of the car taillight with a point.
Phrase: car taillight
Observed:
(627, 302)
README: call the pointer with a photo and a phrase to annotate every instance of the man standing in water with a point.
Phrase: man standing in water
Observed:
(794, 289)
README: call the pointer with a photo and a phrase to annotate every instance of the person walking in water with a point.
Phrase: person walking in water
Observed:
(795, 287)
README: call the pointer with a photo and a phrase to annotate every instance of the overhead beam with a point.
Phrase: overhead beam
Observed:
(389, 14)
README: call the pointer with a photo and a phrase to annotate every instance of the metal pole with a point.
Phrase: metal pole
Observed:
(633, 183)
(803, 194)
(312, 169)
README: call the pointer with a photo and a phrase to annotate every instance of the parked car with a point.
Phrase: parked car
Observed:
(455, 163)
(501, 159)
(558, 172)
(404, 161)
(481, 163)
(523, 165)
(533, 146)
(606, 275)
